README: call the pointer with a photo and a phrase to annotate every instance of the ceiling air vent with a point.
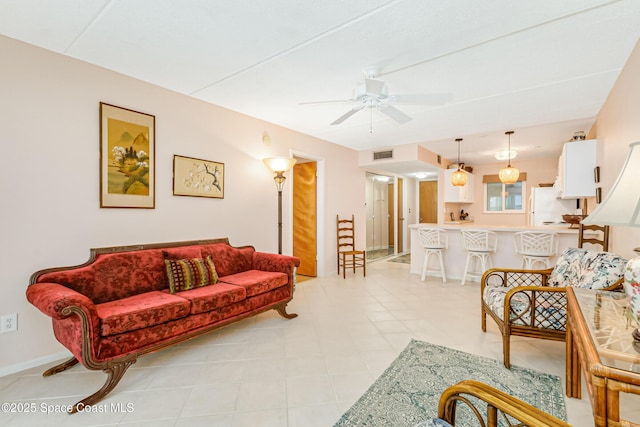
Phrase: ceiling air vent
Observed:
(379, 155)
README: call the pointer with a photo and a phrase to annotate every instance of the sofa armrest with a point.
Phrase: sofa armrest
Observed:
(274, 262)
(55, 300)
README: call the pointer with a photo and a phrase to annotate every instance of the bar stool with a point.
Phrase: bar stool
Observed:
(433, 241)
(479, 244)
(535, 247)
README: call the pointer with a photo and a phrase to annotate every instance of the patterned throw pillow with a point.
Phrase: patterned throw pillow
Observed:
(185, 274)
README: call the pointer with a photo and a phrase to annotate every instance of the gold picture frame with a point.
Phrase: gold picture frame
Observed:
(197, 177)
(127, 158)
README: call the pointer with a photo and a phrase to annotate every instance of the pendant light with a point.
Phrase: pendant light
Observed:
(509, 175)
(459, 178)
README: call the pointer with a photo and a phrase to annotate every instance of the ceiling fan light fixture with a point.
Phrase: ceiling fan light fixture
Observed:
(459, 177)
(509, 175)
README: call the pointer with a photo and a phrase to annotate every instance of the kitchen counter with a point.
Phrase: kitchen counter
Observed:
(456, 225)
(455, 256)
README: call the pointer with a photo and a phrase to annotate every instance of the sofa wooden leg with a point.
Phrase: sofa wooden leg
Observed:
(61, 367)
(282, 311)
(114, 375)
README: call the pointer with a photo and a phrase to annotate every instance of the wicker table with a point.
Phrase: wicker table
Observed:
(599, 344)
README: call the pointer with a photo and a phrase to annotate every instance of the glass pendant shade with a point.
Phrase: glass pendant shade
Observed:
(458, 178)
(509, 175)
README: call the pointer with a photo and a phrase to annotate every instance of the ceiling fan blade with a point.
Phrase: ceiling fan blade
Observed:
(394, 113)
(423, 98)
(373, 86)
(348, 114)
(331, 101)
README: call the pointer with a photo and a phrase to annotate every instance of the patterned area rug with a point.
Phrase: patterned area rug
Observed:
(405, 259)
(408, 391)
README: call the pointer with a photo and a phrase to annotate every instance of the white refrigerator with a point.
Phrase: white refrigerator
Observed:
(546, 209)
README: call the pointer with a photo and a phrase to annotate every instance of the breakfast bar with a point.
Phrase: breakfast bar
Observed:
(505, 256)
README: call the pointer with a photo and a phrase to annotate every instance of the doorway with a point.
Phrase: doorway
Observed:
(400, 209)
(305, 216)
(380, 243)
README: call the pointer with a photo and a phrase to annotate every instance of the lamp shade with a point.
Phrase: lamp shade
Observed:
(279, 164)
(459, 178)
(622, 204)
(509, 175)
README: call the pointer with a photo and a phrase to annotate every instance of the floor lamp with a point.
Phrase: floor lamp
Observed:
(622, 207)
(279, 165)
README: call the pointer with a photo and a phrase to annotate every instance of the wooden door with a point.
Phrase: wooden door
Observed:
(304, 217)
(400, 216)
(428, 202)
(391, 216)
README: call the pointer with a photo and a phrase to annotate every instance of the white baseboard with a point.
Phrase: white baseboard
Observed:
(18, 367)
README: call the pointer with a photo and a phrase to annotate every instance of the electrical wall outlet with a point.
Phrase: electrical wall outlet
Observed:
(9, 323)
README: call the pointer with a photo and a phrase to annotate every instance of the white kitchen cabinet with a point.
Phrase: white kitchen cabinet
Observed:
(575, 170)
(454, 194)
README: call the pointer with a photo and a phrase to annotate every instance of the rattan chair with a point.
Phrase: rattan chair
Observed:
(489, 406)
(532, 303)
(348, 255)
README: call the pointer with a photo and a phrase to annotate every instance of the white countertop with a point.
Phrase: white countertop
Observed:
(505, 256)
(457, 225)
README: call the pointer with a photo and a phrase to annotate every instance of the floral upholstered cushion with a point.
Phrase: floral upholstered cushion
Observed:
(257, 282)
(229, 260)
(140, 311)
(587, 269)
(185, 274)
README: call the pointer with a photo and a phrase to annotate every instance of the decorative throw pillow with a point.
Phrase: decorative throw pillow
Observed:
(185, 274)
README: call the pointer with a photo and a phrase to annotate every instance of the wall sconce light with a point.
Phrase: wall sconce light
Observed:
(509, 175)
(459, 178)
(279, 165)
(266, 139)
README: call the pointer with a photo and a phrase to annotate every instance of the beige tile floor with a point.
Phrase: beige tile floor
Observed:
(269, 371)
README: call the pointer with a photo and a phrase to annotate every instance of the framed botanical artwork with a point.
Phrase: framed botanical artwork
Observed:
(197, 177)
(127, 158)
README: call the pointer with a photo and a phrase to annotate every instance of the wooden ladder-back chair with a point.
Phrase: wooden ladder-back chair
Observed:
(348, 255)
(604, 242)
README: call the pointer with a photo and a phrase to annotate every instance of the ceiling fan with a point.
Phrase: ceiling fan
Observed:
(373, 93)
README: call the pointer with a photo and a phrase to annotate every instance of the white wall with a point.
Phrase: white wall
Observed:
(617, 126)
(50, 214)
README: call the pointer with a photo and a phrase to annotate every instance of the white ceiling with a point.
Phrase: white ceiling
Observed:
(542, 68)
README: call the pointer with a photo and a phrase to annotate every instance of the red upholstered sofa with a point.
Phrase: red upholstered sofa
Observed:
(117, 306)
